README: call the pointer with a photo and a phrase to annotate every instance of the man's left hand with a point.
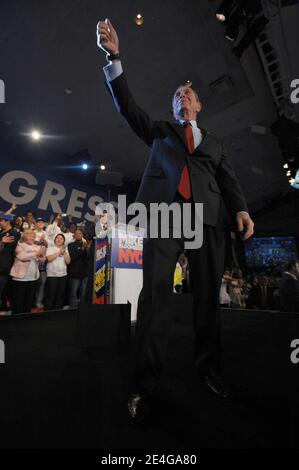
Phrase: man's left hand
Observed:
(244, 222)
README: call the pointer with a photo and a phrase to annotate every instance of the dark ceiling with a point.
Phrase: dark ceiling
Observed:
(48, 46)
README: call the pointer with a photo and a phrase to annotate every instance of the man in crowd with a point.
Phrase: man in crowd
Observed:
(77, 269)
(8, 242)
(29, 222)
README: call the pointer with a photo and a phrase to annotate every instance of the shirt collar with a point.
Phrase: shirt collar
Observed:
(193, 123)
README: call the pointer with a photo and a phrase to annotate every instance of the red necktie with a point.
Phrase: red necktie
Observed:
(184, 186)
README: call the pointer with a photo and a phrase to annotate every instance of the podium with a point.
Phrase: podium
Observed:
(118, 267)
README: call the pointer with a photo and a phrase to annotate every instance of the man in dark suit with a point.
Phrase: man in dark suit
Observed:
(186, 165)
(289, 288)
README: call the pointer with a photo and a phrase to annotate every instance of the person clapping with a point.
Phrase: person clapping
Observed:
(25, 273)
(57, 260)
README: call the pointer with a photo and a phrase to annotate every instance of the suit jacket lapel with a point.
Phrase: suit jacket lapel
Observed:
(179, 134)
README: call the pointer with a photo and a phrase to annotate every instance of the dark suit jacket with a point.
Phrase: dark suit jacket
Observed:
(212, 177)
(289, 293)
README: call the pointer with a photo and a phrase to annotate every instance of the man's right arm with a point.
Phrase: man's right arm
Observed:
(145, 127)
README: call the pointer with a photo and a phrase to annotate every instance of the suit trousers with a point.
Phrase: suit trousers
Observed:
(154, 313)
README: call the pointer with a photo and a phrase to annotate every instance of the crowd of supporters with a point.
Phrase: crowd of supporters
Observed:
(273, 290)
(49, 265)
(44, 264)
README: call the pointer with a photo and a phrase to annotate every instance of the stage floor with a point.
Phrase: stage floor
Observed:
(55, 395)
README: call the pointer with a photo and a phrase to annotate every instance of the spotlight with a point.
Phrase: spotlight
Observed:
(103, 167)
(82, 159)
(36, 135)
(139, 19)
(220, 17)
(286, 166)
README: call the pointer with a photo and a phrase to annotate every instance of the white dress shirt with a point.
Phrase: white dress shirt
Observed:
(113, 70)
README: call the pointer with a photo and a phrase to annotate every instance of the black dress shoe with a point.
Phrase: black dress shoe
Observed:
(216, 385)
(139, 410)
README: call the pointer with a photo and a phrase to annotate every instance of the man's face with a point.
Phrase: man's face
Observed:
(29, 217)
(78, 235)
(184, 100)
(296, 269)
(4, 224)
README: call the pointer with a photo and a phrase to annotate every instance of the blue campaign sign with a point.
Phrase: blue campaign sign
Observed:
(127, 250)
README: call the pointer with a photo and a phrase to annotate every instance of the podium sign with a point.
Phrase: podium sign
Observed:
(127, 247)
(118, 267)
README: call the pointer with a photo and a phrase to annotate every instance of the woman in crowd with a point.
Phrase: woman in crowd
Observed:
(224, 298)
(25, 273)
(57, 260)
(236, 290)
